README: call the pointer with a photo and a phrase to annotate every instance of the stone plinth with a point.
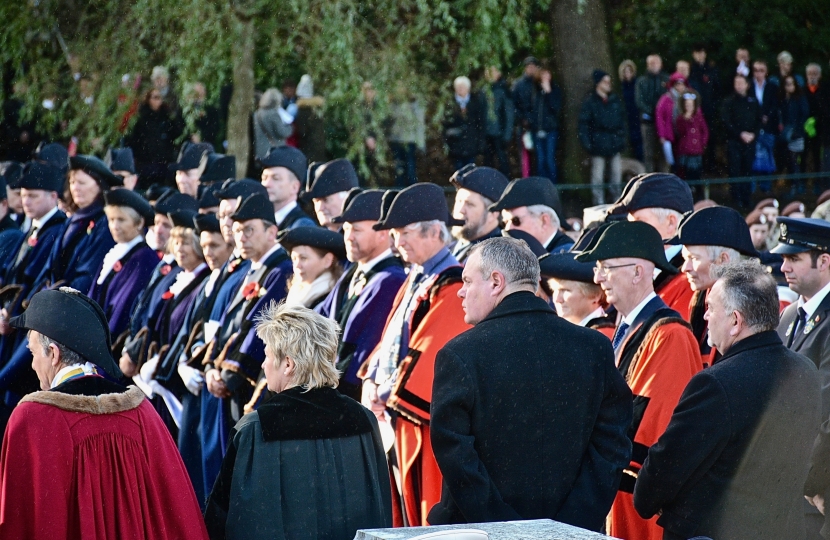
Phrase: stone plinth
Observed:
(541, 529)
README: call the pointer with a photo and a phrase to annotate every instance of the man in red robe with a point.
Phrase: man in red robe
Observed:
(86, 457)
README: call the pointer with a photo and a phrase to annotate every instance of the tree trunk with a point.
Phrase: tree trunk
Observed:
(580, 42)
(242, 100)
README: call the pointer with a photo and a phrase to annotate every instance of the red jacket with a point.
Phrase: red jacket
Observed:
(692, 135)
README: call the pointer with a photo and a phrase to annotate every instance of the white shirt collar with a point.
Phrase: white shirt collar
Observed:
(42, 221)
(629, 319)
(365, 267)
(114, 255)
(671, 253)
(812, 305)
(759, 90)
(280, 214)
(89, 369)
(185, 278)
(599, 312)
(549, 240)
(256, 265)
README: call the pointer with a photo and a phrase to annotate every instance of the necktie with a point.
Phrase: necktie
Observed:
(619, 335)
(356, 284)
(797, 326)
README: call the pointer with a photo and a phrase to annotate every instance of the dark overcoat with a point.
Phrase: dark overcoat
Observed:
(733, 460)
(529, 419)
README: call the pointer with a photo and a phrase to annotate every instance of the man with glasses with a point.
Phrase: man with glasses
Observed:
(425, 315)
(532, 205)
(655, 351)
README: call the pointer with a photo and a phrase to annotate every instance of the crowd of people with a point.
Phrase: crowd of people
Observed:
(297, 356)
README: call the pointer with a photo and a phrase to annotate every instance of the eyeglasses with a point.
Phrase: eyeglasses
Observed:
(604, 270)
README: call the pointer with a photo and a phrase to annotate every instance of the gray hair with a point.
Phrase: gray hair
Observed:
(751, 291)
(462, 81)
(539, 209)
(306, 337)
(663, 214)
(68, 356)
(511, 257)
(785, 56)
(270, 99)
(715, 251)
(815, 66)
(424, 227)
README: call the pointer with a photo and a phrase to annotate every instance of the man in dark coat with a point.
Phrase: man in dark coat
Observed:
(284, 169)
(602, 127)
(496, 459)
(477, 188)
(731, 463)
(464, 124)
(804, 245)
(741, 116)
(498, 120)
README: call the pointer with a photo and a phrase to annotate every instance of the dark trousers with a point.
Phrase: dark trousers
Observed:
(190, 443)
(740, 157)
(546, 155)
(496, 150)
(405, 155)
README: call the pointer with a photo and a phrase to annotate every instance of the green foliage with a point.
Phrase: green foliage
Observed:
(672, 27)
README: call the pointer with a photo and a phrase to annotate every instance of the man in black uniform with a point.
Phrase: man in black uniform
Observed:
(477, 188)
(283, 166)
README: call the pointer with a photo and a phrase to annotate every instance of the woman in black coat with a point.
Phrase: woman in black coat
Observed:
(153, 138)
(794, 113)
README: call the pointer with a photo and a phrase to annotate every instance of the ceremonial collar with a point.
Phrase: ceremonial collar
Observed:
(75, 371)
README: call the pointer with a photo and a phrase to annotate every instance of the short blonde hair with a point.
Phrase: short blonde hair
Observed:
(306, 337)
(186, 233)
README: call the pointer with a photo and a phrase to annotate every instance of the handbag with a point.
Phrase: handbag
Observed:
(764, 161)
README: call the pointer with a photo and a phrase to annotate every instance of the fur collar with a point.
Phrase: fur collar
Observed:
(101, 404)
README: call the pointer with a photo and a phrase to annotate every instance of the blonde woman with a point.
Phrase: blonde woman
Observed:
(316, 254)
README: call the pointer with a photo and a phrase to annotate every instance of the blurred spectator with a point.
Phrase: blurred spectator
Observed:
(703, 77)
(742, 62)
(522, 91)
(668, 109)
(308, 124)
(650, 86)
(767, 96)
(602, 134)
(371, 121)
(794, 113)
(692, 139)
(785, 68)
(289, 96)
(407, 134)
(499, 120)
(818, 99)
(153, 138)
(546, 107)
(206, 117)
(628, 76)
(464, 124)
(684, 68)
(741, 117)
(271, 123)
(19, 139)
(160, 77)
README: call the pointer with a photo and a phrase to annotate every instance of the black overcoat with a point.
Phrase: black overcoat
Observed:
(529, 419)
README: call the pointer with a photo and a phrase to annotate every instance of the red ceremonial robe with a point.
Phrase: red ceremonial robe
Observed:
(677, 294)
(93, 467)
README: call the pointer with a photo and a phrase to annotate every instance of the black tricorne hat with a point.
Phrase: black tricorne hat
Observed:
(256, 206)
(190, 156)
(654, 190)
(174, 201)
(386, 202)
(96, 168)
(715, 226)
(208, 198)
(233, 189)
(12, 171)
(54, 154)
(318, 237)
(535, 246)
(330, 178)
(59, 313)
(217, 168)
(42, 175)
(156, 192)
(131, 199)
(418, 202)
(802, 234)
(182, 218)
(528, 192)
(361, 206)
(565, 266)
(206, 223)
(634, 239)
(586, 239)
(485, 181)
(288, 157)
(120, 159)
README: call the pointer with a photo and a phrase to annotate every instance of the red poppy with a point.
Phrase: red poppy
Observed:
(167, 295)
(251, 290)
(165, 269)
(117, 266)
(232, 266)
(90, 227)
(32, 241)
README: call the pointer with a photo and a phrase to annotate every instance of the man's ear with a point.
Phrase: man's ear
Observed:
(56, 355)
(498, 282)
(740, 322)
